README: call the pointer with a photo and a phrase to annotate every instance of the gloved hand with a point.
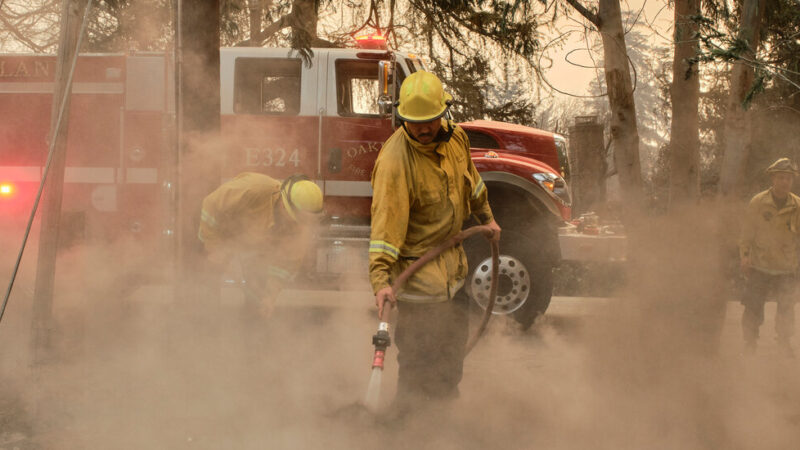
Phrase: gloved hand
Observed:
(495, 231)
(381, 297)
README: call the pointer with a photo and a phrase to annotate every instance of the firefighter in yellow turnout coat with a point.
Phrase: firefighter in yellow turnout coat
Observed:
(264, 223)
(768, 255)
(425, 187)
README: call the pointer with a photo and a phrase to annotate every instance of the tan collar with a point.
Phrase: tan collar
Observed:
(790, 201)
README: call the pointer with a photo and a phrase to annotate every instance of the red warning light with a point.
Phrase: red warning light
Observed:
(375, 41)
(6, 189)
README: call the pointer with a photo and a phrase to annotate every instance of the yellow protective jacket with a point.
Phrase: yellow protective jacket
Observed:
(239, 213)
(769, 236)
(238, 218)
(422, 194)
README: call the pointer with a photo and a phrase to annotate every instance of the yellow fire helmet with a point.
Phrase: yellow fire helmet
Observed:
(422, 98)
(783, 165)
(301, 196)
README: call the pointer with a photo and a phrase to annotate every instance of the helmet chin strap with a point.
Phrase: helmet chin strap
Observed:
(444, 135)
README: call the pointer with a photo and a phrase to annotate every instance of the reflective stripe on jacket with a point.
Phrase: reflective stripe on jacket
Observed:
(769, 236)
(422, 194)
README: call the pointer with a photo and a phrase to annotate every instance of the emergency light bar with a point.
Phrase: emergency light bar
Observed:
(375, 41)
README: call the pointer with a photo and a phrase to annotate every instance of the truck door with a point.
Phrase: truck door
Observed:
(352, 133)
(270, 119)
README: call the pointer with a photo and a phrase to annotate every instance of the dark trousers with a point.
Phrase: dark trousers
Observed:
(431, 340)
(761, 287)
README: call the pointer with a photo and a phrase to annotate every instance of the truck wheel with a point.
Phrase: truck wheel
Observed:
(526, 279)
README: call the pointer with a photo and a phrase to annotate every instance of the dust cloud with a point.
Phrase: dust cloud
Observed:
(658, 366)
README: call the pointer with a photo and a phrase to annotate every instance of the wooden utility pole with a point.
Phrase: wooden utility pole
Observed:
(71, 19)
(199, 160)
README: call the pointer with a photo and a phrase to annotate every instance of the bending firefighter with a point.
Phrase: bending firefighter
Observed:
(768, 254)
(265, 224)
(425, 187)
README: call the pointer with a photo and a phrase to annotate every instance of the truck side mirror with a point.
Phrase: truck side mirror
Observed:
(385, 100)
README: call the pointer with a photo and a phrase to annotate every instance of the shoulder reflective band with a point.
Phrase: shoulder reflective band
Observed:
(478, 189)
(383, 247)
(208, 218)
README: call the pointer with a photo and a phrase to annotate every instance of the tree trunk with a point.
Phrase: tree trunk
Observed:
(255, 10)
(256, 13)
(624, 131)
(684, 156)
(737, 125)
(198, 106)
(305, 16)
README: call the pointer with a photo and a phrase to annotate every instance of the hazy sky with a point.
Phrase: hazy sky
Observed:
(566, 73)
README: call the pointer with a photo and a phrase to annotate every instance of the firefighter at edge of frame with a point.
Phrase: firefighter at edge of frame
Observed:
(768, 256)
(425, 186)
(266, 226)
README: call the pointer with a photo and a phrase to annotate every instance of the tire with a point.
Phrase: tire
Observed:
(526, 276)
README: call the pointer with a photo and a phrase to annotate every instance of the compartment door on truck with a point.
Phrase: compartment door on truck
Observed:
(270, 119)
(352, 133)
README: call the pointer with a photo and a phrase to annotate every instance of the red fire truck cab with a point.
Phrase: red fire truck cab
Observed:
(326, 117)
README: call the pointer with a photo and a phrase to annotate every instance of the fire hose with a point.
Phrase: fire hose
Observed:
(381, 339)
(452, 242)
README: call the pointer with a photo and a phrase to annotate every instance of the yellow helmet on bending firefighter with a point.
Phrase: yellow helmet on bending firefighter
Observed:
(299, 194)
(422, 98)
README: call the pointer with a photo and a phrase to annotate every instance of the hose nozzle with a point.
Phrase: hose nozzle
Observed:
(381, 341)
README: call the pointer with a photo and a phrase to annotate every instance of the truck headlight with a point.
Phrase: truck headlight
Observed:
(555, 185)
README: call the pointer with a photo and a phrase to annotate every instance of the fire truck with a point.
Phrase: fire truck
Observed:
(326, 117)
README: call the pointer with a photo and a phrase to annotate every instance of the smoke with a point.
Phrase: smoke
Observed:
(656, 366)
(134, 366)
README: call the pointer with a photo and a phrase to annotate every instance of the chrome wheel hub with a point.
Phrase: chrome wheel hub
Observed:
(514, 284)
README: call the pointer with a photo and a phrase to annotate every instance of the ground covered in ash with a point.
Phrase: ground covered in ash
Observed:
(151, 373)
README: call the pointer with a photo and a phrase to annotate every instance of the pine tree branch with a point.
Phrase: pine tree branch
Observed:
(268, 32)
(585, 12)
